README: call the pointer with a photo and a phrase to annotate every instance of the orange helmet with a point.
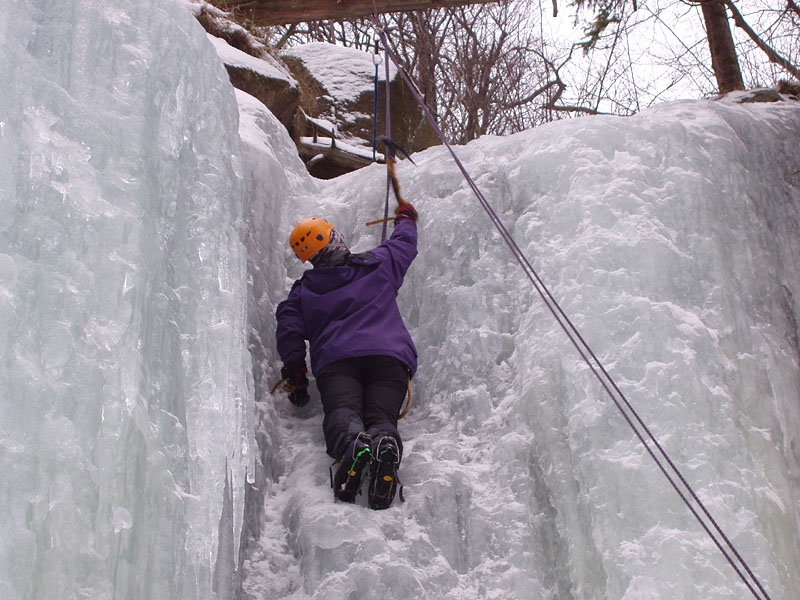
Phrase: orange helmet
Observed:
(309, 237)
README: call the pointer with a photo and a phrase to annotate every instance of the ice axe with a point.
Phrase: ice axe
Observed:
(392, 150)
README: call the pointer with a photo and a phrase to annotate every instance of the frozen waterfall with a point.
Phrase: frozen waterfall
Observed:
(671, 240)
(143, 249)
(125, 396)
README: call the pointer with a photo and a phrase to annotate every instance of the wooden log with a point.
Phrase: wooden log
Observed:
(326, 158)
(284, 12)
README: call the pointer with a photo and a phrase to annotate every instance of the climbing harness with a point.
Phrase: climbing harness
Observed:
(640, 429)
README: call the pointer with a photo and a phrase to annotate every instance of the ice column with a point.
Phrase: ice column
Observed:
(124, 397)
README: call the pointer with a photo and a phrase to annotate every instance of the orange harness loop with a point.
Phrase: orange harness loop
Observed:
(404, 412)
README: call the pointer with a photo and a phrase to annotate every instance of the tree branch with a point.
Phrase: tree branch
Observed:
(573, 109)
(773, 56)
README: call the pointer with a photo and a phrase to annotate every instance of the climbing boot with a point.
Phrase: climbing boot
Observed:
(383, 478)
(353, 466)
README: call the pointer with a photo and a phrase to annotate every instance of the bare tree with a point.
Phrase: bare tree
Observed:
(489, 68)
(724, 60)
(419, 40)
(764, 42)
(723, 51)
(480, 69)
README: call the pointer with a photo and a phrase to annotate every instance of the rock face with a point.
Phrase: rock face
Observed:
(250, 66)
(337, 86)
(323, 94)
(277, 94)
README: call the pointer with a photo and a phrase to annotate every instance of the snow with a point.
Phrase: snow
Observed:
(345, 73)
(266, 67)
(125, 379)
(670, 238)
(324, 144)
(143, 252)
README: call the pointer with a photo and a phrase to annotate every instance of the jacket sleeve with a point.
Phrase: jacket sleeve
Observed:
(290, 333)
(401, 247)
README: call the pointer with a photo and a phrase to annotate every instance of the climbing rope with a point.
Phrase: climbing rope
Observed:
(388, 118)
(640, 429)
(376, 59)
(389, 164)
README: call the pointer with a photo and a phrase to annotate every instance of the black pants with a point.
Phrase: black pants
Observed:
(361, 395)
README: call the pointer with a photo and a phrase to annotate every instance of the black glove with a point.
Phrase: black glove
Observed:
(404, 210)
(296, 384)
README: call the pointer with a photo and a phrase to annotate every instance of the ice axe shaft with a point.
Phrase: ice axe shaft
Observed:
(393, 149)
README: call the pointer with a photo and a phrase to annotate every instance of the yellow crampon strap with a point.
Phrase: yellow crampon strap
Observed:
(275, 387)
(404, 412)
(287, 386)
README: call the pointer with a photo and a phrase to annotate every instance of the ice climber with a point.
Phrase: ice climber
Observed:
(362, 355)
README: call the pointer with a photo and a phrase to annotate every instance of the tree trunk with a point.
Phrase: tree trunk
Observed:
(428, 48)
(724, 61)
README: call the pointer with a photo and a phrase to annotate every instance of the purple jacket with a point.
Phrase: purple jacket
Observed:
(351, 310)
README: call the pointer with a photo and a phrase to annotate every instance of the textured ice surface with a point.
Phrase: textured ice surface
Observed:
(671, 240)
(129, 186)
(124, 380)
